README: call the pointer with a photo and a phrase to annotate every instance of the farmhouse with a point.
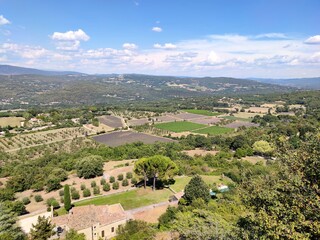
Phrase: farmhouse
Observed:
(94, 221)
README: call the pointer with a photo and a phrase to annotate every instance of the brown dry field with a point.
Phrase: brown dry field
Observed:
(199, 152)
(112, 121)
(206, 120)
(12, 121)
(246, 115)
(238, 124)
(102, 127)
(74, 181)
(271, 105)
(167, 118)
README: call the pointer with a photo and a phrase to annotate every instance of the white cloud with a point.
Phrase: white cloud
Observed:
(129, 46)
(166, 46)
(3, 20)
(157, 29)
(313, 40)
(271, 36)
(68, 45)
(78, 35)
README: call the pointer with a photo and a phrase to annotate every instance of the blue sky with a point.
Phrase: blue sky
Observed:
(237, 38)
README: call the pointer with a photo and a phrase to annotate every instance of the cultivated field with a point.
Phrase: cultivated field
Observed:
(138, 122)
(188, 116)
(214, 130)
(258, 110)
(179, 126)
(111, 121)
(40, 138)
(11, 121)
(123, 137)
(238, 124)
(206, 120)
(112, 168)
(202, 112)
(167, 118)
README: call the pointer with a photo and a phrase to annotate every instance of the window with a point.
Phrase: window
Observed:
(102, 234)
(112, 229)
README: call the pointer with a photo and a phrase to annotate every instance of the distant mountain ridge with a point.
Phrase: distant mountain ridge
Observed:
(305, 83)
(14, 70)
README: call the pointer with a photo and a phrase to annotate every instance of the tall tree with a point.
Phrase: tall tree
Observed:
(42, 230)
(196, 188)
(66, 196)
(141, 168)
(73, 235)
(285, 205)
(9, 230)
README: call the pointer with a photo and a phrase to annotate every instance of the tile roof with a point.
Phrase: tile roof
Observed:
(86, 216)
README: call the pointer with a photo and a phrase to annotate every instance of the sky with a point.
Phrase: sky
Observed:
(231, 38)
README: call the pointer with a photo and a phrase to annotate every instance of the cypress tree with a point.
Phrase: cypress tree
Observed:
(67, 199)
(196, 188)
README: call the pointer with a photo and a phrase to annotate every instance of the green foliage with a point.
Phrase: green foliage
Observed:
(106, 187)
(120, 177)
(9, 229)
(66, 198)
(6, 194)
(96, 190)
(195, 189)
(166, 218)
(93, 184)
(26, 200)
(129, 175)
(125, 182)
(86, 192)
(16, 206)
(135, 230)
(75, 195)
(134, 181)
(285, 205)
(90, 167)
(42, 230)
(262, 147)
(83, 186)
(102, 181)
(52, 202)
(112, 179)
(115, 185)
(53, 183)
(38, 198)
(73, 235)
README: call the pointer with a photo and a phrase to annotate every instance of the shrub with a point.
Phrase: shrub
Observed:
(38, 198)
(129, 175)
(75, 195)
(93, 184)
(112, 179)
(120, 177)
(115, 185)
(102, 181)
(106, 187)
(96, 190)
(83, 186)
(53, 183)
(86, 193)
(61, 193)
(62, 200)
(90, 167)
(125, 182)
(134, 181)
(26, 200)
(53, 202)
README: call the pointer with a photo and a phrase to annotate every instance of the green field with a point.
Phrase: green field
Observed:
(237, 118)
(181, 182)
(202, 112)
(131, 199)
(179, 126)
(214, 130)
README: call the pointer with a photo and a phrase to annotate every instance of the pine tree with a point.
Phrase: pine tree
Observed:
(9, 230)
(42, 230)
(67, 199)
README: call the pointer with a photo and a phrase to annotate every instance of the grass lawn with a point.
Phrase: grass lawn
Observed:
(202, 112)
(179, 126)
(182, 181)
(131, 199)
(214, 130)
(237, 118)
